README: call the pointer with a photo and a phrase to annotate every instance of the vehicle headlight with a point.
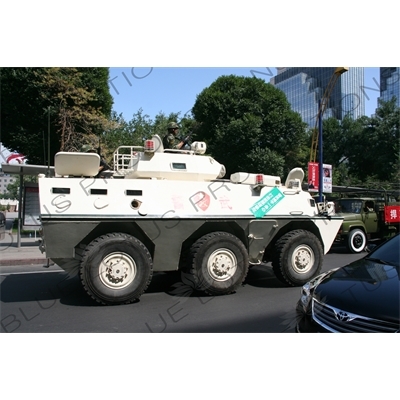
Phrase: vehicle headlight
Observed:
(308, 288)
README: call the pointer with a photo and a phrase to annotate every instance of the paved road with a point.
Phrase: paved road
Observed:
(36, 299)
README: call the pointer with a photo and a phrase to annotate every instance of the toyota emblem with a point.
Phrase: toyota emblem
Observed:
(343, 316)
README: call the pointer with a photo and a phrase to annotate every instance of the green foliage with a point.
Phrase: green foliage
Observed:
(366, 151)
(139, 128)
(248, 126)
(96, 80)
(23, 121)
(77, 101)
(383, 134)
(76, 117)
(13, 188)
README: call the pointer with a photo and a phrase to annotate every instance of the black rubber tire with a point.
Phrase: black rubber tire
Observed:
(228, 253)
(101, 269)
(298, 257)
(356, 241)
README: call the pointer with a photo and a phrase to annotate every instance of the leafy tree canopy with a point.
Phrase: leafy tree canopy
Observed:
(139, 128)
(365, 151)
(72, 103)
(13, 188)
(248, 125)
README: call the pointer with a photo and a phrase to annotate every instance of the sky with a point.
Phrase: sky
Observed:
(173, 89)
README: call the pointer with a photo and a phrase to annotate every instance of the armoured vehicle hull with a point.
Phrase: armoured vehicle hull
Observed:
(172, 211)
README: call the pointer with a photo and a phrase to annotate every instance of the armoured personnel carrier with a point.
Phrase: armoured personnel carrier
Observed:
(167, 210)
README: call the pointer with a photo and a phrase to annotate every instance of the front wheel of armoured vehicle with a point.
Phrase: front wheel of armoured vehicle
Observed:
(298, 257)
(218, 263)
(116, 269)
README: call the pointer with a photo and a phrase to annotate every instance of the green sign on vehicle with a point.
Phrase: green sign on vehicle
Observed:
(266, 203)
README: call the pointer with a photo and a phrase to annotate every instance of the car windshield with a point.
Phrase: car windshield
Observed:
(388, 252)
(349, 206)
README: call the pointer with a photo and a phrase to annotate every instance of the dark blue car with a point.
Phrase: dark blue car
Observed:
(360, 297)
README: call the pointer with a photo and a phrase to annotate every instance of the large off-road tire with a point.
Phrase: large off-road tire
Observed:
(298, 257)
(218, 263)
(116, 269)
(356, 241)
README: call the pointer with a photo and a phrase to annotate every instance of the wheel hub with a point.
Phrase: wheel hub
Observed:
(117, 270)
(358, 241)
(222, 264)
(303, 259)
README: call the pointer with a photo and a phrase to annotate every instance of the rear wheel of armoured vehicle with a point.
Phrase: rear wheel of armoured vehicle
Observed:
(116, 269)
(356, 241)
(298, 257)
(218, 263)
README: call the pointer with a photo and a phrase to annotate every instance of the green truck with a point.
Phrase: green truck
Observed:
(366, 219)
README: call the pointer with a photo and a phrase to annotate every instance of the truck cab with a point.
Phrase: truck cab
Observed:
(363, 220)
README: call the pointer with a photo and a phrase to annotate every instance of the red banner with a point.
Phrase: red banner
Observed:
(392, 214)
(313, 177)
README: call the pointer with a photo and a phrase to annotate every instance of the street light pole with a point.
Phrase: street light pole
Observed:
(323, 104)
(320, 158)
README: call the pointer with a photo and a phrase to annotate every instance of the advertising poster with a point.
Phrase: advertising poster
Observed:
(31, 205)
(313, 177)
(327, 178)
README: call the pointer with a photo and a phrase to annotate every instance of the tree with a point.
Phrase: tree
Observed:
(373, 148)
(248, 126)
(365, 151)
(77, 118)
(75, 101)
(13, 188)
(139, 128)
(96, 80)
(337, 151)
(22, 118)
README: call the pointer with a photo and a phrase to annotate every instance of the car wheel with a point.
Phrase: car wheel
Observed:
(356, 241)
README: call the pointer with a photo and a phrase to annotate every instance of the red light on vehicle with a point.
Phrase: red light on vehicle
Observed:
(149, 146)
(259, 179)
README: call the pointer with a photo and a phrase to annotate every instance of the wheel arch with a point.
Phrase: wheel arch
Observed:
(360, 227)
(103, 228)
(306, 225)
(217, 262)
(350, 227)
(298, 257)
(232, 227)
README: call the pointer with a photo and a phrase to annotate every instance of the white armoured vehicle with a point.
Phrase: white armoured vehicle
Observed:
(169, 210)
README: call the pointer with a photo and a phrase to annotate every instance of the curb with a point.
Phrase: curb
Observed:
(23, 261)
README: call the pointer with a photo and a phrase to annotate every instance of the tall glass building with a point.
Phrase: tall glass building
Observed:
(390, 84)
(305, 86)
